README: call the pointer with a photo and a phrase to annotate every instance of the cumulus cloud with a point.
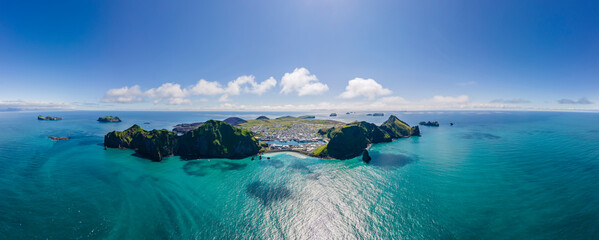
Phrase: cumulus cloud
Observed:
(583, 100)
(123, 95)
(302, 82)
(246, 83)
(511, 101)
(167, 90)
(449, 100)
(364, 87)
(204, 87)
(171, 92)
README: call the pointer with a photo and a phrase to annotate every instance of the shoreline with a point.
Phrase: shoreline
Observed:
(292, 153)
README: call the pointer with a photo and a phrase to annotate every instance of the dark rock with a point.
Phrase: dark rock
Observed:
(352, 139)
(216, 139)
(213, 139)
(234, 121)
(186, 127)
(429, 123)
(366, 157)
(415, 131)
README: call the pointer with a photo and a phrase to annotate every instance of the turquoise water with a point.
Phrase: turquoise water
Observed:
(494, 175)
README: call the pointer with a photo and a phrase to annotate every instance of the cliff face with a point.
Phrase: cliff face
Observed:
(217, 139)
(396, 128)
(117, 139)
(352, 139)
(214, 139)
(155, 144)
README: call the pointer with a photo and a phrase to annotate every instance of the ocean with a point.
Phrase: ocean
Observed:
(493, 175)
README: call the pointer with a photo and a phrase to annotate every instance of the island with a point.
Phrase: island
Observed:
(307, 117)
(320, 138)
(429, 123)
(213, 139)
(333, 115)
(48, 118)
(109, 119)
(186, 127)
(262, 118)
(350, 140)
(235, 121)
(59, 138)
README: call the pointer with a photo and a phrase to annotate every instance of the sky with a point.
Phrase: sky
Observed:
(310, 55)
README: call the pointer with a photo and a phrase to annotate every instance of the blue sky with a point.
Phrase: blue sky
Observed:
(387, 55)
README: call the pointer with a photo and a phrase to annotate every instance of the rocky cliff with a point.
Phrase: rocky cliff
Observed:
(352, 139)
(214, 139)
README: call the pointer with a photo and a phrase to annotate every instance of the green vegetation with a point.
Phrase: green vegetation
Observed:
(214, 139)
(307, 117)
(40, 117)
(109, 119)
(285, 122)
(352, 139)
(429, 123)
(396, 128)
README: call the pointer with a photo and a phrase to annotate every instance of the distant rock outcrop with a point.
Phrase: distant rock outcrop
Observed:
(186, 127)
(352, 139)
(234, 121)
(48, 118)
(365, 156)
(429, 123)
(262, 118)
(333, 115)
(109, 119)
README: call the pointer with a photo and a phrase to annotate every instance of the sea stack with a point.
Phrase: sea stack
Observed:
(366, 157)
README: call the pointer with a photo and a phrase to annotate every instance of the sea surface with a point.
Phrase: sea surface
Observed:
(493, 175)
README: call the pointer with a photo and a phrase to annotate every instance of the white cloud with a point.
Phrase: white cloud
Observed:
(224, 98)
(204, 87)
(244, 83)
(167, 90)
(364, 87)
(302, 82)
(170, 91)
(123, 95)
(247, 83)
(178, 101)
(449, 100)
(264, 86)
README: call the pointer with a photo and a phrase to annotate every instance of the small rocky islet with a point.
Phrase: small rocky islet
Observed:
(430, 124)
(109, 119)
(48, 118)
(219, 139)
